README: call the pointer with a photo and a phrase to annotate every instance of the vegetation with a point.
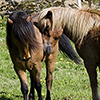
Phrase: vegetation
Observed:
(70, 80)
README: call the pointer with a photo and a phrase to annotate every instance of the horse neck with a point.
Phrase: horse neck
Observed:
(70, 24)
(38, 35)
(64, 18)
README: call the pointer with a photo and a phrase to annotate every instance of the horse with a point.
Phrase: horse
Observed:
(25, 46)
(83, 28)
(50, 44)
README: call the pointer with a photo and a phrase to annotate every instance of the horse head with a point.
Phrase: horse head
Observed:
(20, 36)
(23, 49)
(51, 40)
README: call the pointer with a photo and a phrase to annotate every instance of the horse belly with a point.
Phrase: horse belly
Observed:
(89, 50)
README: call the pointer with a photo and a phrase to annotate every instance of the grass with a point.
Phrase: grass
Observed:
(70, 80)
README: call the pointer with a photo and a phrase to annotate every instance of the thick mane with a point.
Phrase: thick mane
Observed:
(76, 23)
(22, 30)
(79, 23)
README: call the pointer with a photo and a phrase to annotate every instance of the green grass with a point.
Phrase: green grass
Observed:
(70, 80)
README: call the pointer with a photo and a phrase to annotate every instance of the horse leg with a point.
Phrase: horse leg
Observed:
(91, 69)
(49, 78)
(21, 72)
(35, 81)
(50, 65)
(31, 95)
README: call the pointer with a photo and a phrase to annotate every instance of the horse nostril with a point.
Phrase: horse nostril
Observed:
(49, 49)
(26, 59)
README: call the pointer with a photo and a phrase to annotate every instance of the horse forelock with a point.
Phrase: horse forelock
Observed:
(23, 30)
(76, 23)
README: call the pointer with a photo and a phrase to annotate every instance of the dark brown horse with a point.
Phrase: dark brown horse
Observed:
(26, 50)
(83, 28)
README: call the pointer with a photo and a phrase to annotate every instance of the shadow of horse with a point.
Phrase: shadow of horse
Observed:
(3, 96)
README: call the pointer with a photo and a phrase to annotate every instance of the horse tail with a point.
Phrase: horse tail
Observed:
(67, 49)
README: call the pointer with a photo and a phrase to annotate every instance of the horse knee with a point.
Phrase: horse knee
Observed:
(38, 85)
(49, 80)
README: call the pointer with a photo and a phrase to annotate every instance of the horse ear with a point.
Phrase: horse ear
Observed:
(49, 15)
(28, 18)
(10, 21)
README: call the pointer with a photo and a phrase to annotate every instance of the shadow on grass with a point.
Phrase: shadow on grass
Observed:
(4, 97)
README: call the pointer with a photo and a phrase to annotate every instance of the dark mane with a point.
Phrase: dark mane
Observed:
(23, 30)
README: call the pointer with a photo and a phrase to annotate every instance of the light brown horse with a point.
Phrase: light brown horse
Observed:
(83, 28)
(26, 50)
(50, 53)
(50, 44)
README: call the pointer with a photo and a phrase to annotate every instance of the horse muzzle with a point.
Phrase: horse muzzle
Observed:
(47, 48)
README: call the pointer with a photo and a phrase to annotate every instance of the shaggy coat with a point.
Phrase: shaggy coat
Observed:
(83, 28)
(76, 23)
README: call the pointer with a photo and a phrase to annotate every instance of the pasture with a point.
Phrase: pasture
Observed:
(70, 81)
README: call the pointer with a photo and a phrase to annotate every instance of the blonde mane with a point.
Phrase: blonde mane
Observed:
(76, 23)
